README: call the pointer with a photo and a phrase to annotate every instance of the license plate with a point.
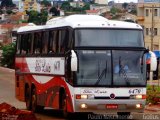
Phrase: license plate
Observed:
(111, 106)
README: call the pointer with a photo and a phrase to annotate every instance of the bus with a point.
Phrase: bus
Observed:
(81, 63)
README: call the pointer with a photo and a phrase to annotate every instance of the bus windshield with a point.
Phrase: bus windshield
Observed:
(111, 68)
(108, 37)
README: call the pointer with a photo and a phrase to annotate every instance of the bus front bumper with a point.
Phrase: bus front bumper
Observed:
(106, 106)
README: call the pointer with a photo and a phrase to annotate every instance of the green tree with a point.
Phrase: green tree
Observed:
(1, 12)
(134, 12)
(114, 10)
(66, 6)
(8, 55)
(36, 17)
(43, 17)
(54, 11)
(9, 12)
(7, 3)
(124, 5)
(86, 7)
(45, 3)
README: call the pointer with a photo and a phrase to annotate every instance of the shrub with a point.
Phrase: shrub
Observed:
(8, 55)
(153, 94)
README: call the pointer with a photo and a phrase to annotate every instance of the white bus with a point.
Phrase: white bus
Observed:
(82, 63)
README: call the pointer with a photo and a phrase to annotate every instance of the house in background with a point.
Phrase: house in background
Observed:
(148, 16)
(93, 12)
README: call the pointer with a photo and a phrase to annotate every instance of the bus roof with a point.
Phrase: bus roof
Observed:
(82, 21)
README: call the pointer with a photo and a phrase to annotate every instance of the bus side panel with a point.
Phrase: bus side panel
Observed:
(20, 86)
(19, 80)
(55, 103)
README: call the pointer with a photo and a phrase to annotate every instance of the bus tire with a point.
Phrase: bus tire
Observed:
(63, 104)
(123, 115)
(35, 107)
(28, 98)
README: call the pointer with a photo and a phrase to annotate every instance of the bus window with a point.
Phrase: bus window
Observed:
(18, 44)
(53, 41)
(70, 40)
(37, 42)
(63, 40)
(45, 42)
(26, 44)
(29, 44)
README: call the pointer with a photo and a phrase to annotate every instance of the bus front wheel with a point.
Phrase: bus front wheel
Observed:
(63, 104)
(35, 107)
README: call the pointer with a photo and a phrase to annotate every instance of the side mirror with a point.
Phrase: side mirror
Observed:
(153, 63)
(73, 61)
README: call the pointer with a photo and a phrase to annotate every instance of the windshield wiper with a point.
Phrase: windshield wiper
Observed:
(104, 72)
(122, 71)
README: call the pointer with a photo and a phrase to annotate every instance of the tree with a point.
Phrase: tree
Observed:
(124, 5)
(114, 10)
(7, 3)
(86, 6)
(8, 55)
(36, 17)
(45, 3)
(54, 11)
(9, 12)
(65, 6)
(43, 17)
(134, 12)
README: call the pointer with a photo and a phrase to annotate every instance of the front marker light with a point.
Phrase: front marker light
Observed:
(78, 96)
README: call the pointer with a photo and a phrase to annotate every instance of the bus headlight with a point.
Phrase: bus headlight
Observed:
(84, 96)
(138, 97)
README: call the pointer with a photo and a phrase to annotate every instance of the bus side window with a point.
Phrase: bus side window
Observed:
(63, 40)
(24, 40)
(53, 41)
(18, 44)
(29, 44)
(45, 38)
(37, 43)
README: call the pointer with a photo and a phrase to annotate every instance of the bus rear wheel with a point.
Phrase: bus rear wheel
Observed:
(35, 107)
(28, 98)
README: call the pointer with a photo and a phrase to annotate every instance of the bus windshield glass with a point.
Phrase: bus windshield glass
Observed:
(111, 68)
(108, 37)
